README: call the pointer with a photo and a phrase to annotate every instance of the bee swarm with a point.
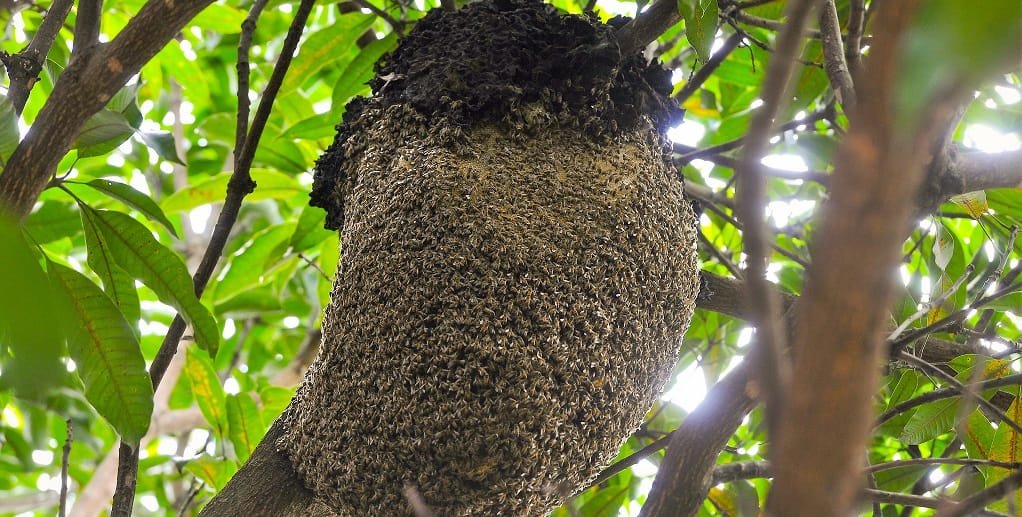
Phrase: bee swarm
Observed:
(518, 268)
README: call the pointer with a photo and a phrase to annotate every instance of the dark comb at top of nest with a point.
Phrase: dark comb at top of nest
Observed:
(518, 62)
(518, 269)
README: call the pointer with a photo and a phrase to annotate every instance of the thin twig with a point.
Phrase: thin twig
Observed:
(706, 71)
(239, 186)
(87, 25)
(65, 459)
(979, 500)
(243, 68)
(902, 499)
(941, 461)
(395, 24)
(937, 302)
(23, 68)
(946, 393)
(834, 55)
(731, 145)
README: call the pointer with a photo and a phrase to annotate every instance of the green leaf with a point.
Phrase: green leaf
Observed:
(27, 321)
(117, 283)
(249, 264)
(135, 199)
(1006, 447)
(53, 220)
(309, 231)
(700, 24)
(360, 70)
(977, 434)
(107, 355)
(930, 421)
(313, 128)
(269, 185)
(323, 47)
(159, 268)
(124, 98)
(9, 133)
(207, 390)
(163, 143)
(213, 471)
(102, 133)
(245, 426)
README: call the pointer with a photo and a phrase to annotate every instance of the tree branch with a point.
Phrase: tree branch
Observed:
(87, 23)
(834, 55)
(85, 86)
(23, 68)
(648, 26)
(706, 71)
(979, 500)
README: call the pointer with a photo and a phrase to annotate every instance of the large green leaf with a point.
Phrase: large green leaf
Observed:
(117, 283)
(248, 266)
(29, 311)
(207, 390)
(245, 426)
(163, 143)
(309, 231)
(323, 47)
(137, 252)
(1007, 448)
(51, 221)
(269, 185)
(107, 355)
(359, 71)
(930, 421)
(700, 24)
(135, 199)
(9, 135)
(102, 133)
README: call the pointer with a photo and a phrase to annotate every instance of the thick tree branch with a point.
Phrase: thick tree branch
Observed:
(23, 68)
(648, 26)
(85, 86)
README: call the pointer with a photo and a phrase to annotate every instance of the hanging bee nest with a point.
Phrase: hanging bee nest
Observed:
(518, 268)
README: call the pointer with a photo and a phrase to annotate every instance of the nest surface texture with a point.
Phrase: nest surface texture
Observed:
(518, 268)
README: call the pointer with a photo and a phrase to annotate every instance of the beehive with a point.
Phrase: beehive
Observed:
(518, 267)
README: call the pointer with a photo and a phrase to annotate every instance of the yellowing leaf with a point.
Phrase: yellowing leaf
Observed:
(207, 390)
(973, 202)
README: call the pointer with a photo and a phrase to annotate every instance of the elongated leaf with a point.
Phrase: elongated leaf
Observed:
(213, 471)
(135, 199)
(313, 128)
(102, 133)
(930, 421)
(269, 185)
(159, 268)
(107, 355)
(978, 435)
(245, 426)
(28, 309)
(53, 220)
(359, 71)
(117, 283)
(1007, 448)
(207, 390)
(9, 134)
(700, 24)
(248, 265)
(163, 143)
(973, 202)
(943, 247)
(309, 231)
(324, 47)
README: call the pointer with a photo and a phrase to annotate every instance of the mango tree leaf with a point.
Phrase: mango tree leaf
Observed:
(1007, 448)
(163, 143)
(107, 355)
(53, 220)
(700, 24)
(977, 434)
(930, 421)
(102, 133)
(135, 199)
(213, 471)
(124, 98)
(324, 47)
(117, 283)
(245, 426)
(207, 390)
(314, 127)
(973, 202)
(248, 266)
(309, 231)
(27, 330)
(138, 253)
(269, 185)
(360, 70)
(9, 133)
(943, 247)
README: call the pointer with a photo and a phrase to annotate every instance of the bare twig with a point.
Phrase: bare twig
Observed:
(936, 302)
(806, 121)
(87, 25)
(395, 24)
(856, 25)
(706, 71)
(945, 393)
(239, 186)
(23, 68)
(902, 499)
(65, 459)
(834, 55)
(243, 68)
(940, 461)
